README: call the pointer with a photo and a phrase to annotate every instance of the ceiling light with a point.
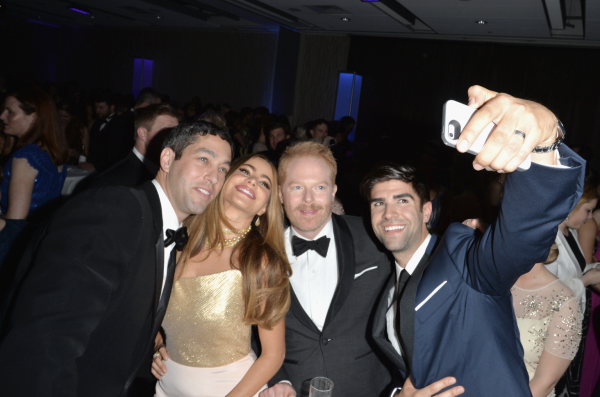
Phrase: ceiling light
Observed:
(158, 17)
(481, 22)
(79, 10)
(345, 19)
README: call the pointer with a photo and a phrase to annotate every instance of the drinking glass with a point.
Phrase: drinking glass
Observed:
(321, 387)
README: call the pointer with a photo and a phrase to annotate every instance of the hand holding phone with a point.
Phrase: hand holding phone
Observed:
(455, 118)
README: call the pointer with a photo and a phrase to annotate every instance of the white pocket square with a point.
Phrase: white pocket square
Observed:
(430, 295)
(357, 275)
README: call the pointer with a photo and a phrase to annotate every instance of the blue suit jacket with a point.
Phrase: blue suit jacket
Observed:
(458, 299)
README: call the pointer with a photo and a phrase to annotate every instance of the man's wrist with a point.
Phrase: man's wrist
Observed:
(553, 144)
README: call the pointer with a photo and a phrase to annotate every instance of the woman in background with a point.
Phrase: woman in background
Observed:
(75, 131)
(34, 175)
(549, 321)
(233, 273)
(571, 268)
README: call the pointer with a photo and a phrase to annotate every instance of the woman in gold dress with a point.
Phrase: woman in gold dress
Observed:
(233, 274)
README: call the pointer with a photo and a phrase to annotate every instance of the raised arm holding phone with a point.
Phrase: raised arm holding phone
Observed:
(446, 318)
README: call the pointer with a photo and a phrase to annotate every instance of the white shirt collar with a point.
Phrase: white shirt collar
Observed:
(153, 168)
(326, 231)
(415, 259)
(169, 217)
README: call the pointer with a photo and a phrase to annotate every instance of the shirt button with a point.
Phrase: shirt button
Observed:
(325, 341)
(314, 271)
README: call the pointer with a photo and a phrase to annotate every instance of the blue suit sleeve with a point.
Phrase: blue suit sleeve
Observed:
(535, 202)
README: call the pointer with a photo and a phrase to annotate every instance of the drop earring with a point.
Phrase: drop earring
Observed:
(257, 223)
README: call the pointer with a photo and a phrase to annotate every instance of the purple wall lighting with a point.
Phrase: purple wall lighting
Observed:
(79, 11)
(348, 96)
(142, 74)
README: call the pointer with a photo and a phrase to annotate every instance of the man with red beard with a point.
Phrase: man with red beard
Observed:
(338, 274)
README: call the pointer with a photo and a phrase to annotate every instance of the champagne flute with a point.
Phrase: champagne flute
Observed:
(321, 387)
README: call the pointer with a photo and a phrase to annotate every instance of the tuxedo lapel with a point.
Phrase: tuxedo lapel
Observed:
(159, 247)
(407, 305)
(380, 327)
(298, 311)
(345, 258)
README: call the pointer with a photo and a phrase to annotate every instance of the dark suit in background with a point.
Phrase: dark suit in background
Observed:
(456, 313)
(344, 350)
(111, 144)
(82, 320)
(129, 172)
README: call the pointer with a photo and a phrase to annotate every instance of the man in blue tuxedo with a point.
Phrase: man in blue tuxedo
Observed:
(448, 312)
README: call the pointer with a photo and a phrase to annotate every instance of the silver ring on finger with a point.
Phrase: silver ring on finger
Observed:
(520, 133)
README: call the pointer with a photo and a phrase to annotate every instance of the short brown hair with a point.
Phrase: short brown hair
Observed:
(389, 171)
(213, 117)
(306, 149)
(147, 115)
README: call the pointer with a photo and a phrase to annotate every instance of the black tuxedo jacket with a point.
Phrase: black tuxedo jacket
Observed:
(129, 172)
(344, 350)
(112, 143)
(81, 322)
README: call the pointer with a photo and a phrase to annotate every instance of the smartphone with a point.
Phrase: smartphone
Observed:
(455, 117)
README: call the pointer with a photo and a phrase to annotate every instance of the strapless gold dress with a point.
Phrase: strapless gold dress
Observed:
(206, 338)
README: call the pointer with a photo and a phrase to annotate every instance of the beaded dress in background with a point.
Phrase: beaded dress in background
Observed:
(549, 320)
(206, 337)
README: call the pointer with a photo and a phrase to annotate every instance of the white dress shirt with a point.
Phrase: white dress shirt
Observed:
(169, 221)
(314, 278)
(153, 168)
(390, 316)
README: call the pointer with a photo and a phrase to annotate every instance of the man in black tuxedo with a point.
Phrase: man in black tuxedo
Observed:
(99, 275)
(110, 135)
(339, 272)
(152, 123)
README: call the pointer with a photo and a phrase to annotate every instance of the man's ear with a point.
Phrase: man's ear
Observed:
(334, 190)
(142, 134)
(427, 208)
(112, 109)
(280, 194)
(167, 157)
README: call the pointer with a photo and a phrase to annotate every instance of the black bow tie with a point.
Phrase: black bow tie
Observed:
(179, 237)
(301, 245)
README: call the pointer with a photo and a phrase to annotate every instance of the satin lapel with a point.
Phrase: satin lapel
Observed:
(159, 246)
(345, 258)
(407, 303)
(407, 311)
(300, 314)
(380, 327)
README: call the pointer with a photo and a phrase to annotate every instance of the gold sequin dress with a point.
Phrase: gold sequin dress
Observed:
(206, 338)
(549, 320)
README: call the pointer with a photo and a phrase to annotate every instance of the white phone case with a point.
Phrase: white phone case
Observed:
(455, 118)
